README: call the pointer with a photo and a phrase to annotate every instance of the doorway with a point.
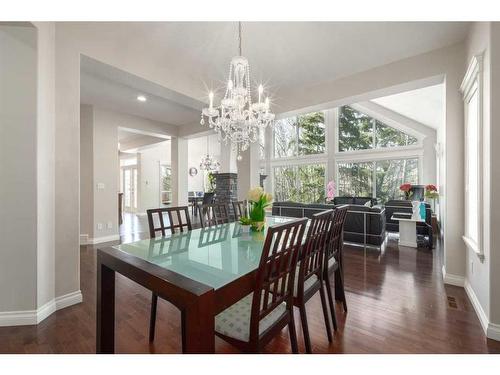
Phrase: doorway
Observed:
(129, 188)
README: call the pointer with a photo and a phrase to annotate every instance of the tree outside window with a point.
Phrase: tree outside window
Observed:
(358, 131)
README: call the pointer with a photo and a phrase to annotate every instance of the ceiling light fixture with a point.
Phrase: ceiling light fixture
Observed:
(237, 119)
(208, 163)
(141, 98)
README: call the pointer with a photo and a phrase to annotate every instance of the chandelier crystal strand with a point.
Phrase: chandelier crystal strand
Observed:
(236, 119)
(208, 163)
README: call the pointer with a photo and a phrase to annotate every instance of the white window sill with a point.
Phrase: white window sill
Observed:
(473, 246)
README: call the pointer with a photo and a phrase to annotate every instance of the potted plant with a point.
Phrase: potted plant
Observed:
(431, 194)
(245, 222)
(258, 200)
(406, 189)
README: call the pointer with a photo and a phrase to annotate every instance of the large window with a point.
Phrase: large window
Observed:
(358, 131)
(390, 174)
(300, 135)
(380, 178)
(355, 179)
(304, 183)
(471, 88)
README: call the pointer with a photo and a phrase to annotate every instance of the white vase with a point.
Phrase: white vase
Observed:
(245, 228)
(416, 210)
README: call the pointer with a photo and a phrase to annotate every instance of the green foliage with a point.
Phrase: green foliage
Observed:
(245, 220)
(311, 133)
(211, 182)
(304, 184)
(355, 130)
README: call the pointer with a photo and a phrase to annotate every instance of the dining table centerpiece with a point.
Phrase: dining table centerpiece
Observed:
(258, 200)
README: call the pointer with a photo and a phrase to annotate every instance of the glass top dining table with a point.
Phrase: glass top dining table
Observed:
(213, 256)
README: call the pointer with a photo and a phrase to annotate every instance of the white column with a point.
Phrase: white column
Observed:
(268, 154)
(331, 126)
(227, 159)
(179, 152)
(248, 171)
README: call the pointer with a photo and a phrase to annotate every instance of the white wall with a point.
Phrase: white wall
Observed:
(149, 177)
(87, 171)
(18, 168)
(100, 166)
(495, 178)
(478, 272)
(197, 149)
(46, 167)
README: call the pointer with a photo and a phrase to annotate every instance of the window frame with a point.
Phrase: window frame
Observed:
(374, 159)
(472, 84)
(297, 165)
(373, 121)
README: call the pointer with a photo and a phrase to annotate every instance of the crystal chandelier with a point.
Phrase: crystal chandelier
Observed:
(237, 119)
(208, 163)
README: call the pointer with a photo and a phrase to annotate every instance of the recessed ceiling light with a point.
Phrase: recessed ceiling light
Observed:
(141, 98)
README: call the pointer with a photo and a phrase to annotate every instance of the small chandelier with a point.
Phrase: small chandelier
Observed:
(237, 119)
(208, 163)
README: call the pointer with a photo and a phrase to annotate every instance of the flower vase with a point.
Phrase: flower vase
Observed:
(245, 229)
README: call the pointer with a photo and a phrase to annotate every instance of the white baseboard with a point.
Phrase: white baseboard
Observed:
(483, 318)
(97, 240)
(451, 279)
(32, 317)
(69, 299)
(491, 330)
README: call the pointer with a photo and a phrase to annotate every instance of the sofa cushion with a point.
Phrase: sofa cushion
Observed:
(343, 200)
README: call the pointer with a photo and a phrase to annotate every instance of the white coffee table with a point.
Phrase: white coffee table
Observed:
(407, 229)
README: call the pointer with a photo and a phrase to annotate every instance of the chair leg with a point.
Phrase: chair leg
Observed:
(293, 335)
(339, 287)
(305, 328)
(325, 314)
(330, 300)
(152, 319)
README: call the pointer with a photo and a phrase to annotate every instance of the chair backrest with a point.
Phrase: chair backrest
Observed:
(276, 273)
(334, 239)
(239, 209)
(213, 214)
(313, 251)
(175, 220)
(208, 198)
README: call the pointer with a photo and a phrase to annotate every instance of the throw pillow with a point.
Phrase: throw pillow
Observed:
(368, 204)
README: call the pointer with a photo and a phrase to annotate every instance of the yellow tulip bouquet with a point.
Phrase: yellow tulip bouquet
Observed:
(258, 200)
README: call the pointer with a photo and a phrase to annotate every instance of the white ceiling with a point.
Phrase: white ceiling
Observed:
(425, 105)
(283, 55)
(108, 87)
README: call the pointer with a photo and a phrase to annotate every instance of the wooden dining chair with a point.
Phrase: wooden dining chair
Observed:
(213, 214)
(253, 321)
(309, 278)
(175, 221)
(239, 209)
(333, 262)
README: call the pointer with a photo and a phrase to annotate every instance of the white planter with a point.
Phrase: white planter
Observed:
(245, 228)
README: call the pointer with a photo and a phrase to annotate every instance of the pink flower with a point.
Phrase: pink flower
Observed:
(330, 190)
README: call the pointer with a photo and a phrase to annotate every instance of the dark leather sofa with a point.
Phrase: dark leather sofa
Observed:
(358, 217)
(424, 229)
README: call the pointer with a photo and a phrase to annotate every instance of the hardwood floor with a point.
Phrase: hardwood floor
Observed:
(396, 299)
